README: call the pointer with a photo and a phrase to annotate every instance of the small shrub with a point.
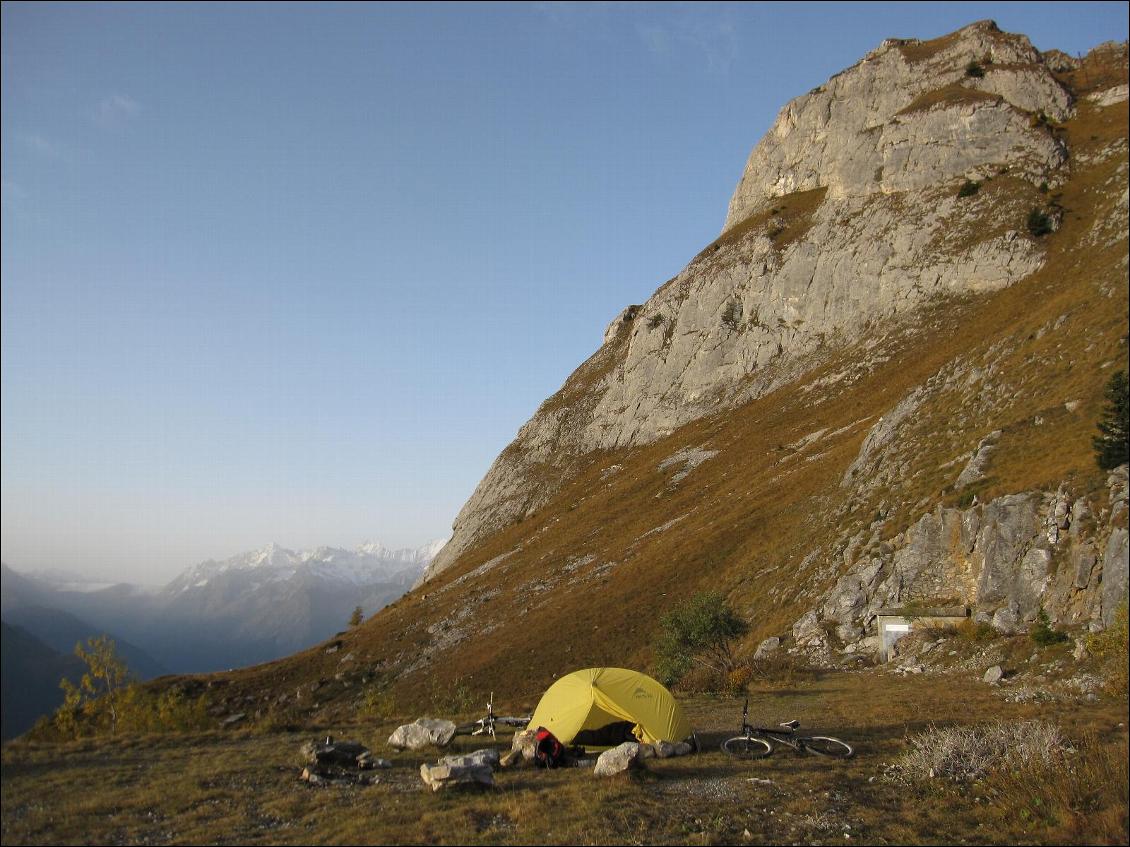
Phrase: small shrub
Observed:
(732, 315)
(698, 633)
(377, 703)
(701, 680)
(1039, 223)
(1109, 647)
(975, 631)
(738, 679)
(654, 321)
(969, 188)
(1042, 632)
(974, 69)
(458, 700)
(962, 753)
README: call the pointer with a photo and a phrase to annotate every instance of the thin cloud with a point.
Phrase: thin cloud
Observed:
(42, 146)
(715, 40)
(116, 110)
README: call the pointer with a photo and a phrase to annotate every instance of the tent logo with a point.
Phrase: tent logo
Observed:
(640, 694)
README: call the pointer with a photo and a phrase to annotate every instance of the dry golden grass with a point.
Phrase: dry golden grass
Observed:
(243, 788)
(954, 94)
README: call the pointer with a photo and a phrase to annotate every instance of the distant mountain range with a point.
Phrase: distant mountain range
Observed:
(250, 608)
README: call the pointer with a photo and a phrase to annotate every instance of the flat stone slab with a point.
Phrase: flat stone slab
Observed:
(441, 776)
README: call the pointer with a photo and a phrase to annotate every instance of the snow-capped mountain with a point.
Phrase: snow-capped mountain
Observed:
(249, 608)
(369, 563)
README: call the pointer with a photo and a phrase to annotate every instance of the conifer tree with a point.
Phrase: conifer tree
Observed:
(1111, 447)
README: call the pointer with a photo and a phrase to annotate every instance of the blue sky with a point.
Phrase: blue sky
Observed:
(298, 273)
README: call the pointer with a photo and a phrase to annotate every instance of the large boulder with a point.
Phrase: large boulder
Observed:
(618, 759)
(424, 732)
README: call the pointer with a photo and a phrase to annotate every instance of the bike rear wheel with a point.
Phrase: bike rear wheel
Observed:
(824, 745)
(741, 747)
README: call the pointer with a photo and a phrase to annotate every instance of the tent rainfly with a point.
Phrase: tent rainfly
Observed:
(590, 700)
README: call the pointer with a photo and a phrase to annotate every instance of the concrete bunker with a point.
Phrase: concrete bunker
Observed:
(895, 622)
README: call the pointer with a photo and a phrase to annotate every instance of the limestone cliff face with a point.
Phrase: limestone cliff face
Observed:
(909, 116)
(847, 217)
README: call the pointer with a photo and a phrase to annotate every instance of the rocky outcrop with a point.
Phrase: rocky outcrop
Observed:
(847, 218)
(1005, 560)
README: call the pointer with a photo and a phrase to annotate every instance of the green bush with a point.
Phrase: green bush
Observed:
(974, 69)
(1042, 633)
(698, 633)
(654, 321)
(969, 188)
(1039, 223)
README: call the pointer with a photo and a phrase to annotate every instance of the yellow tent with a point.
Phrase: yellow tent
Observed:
(596, 697)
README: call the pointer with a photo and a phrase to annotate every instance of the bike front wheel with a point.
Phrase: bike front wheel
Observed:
(823, 745)
(741, 747)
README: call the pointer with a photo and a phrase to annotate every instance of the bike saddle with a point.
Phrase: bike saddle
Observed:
(793, 724)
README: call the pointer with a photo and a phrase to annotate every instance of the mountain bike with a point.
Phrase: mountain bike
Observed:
(757, 742)
(486, 725)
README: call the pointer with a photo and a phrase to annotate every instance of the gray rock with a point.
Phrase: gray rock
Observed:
(993, 675)
(683, 748)
(978, 463)
(442, 776)
(618, 759)
(807, 631)
(487, 757)
(331, 753)
(422, 733)
(1080, 652)
(767, 646)
(664, 749)
(525, 744)
(1006, 621)
(1115, 562)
